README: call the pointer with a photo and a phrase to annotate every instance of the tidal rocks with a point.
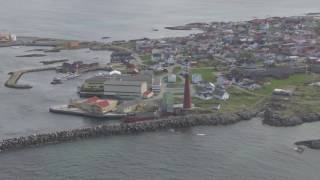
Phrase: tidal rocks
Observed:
(313, 144)
(310, 117)
(274, 118)
(53, 61)
(32, 55)
(179, 28)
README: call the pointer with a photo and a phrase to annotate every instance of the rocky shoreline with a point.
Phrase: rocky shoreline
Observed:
(274, 118)
(126, 129)
(312, 144)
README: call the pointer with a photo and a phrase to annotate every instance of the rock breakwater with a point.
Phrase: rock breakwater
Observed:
(125, 128)
(274, 118)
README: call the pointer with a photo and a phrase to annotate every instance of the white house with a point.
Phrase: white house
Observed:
(204, 96)
(172, 78)
(210, 86)
(156, 85)
(156, 55)
(115, 72)
(220, 80)
(170, 60)
(196, 78)
(221, 94)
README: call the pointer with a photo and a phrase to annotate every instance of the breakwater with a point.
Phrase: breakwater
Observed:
(15, 76)
(125, 128)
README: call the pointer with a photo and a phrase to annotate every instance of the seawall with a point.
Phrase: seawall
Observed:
(125, 129)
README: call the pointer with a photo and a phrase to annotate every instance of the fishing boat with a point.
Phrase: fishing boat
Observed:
(56, 81)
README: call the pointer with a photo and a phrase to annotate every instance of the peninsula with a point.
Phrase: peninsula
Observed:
(229, 72)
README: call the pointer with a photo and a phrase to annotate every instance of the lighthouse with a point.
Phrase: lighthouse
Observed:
(187, 93)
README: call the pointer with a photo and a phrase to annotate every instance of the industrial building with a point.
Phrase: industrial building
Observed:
(117, 86)
(124, 89)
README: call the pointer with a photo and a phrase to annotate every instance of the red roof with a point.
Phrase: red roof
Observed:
(92, 99)
(96, 101)
(102, 103)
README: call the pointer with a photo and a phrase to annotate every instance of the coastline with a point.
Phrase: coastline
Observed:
(271, 118)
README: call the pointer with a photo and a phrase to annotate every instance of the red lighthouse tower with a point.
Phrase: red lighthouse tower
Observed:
(187, 93)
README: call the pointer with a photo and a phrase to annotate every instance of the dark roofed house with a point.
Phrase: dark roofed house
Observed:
(221, 93)
(121, 57)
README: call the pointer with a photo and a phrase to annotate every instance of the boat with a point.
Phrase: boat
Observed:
(56, 81)
(154, 29)
(299, 149)
(70, 76)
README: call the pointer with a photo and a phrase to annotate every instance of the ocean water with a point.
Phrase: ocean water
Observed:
(248, 150)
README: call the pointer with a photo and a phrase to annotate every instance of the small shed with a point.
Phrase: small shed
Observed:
(172, 78)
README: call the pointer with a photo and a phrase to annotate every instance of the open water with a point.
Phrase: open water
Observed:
(244, 151)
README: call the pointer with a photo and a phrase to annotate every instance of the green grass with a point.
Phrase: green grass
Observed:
(306, 98)
(238, 100)
(176, 69)
(146, 59)
(292, 81)
(129, 45)
(207, 73)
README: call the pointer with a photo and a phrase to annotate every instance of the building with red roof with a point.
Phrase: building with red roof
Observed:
(96, 105)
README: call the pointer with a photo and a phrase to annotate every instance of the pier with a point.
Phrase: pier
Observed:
(64, 109)
(16, 75)
(214, 119)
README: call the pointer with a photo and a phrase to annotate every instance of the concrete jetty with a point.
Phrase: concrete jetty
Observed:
(125, 129)
(16, 75)
(64, 109)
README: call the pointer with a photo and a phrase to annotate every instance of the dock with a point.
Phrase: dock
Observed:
(16, 75)
(64, 109)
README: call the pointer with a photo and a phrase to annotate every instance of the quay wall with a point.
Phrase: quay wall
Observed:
(125, 129)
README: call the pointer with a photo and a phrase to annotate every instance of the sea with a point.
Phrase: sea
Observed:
(247, 150)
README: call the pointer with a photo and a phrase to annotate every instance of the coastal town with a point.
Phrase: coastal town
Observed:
(230, 71)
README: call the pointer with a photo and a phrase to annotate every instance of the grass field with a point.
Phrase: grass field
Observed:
(238, 100)
(306, 98)
(176, 69)
(146, 59)
(207, 73)
(291, 82)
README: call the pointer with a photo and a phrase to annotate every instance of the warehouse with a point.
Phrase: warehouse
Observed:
(124, 89)
(116, 86)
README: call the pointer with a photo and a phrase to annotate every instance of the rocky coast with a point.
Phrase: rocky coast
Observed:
(274, 118)
(312, 144)
(126, 129)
